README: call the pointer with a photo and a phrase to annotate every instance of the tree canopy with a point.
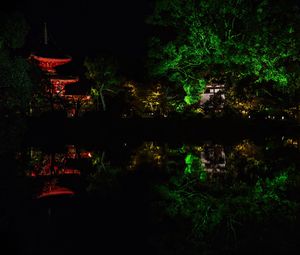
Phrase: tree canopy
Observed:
(15, 80)
(103, 71)
(224, 41)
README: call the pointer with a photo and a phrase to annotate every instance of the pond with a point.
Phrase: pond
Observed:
(143, 196)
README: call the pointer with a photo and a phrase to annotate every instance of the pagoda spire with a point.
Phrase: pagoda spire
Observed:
(45, 33)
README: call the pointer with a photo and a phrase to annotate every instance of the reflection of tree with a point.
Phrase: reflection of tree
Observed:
(207, 213)
(211, 216)
(194, 165)
(246, 161)
(98, 161)
(207, 160)
(149, 153)
(105, 179)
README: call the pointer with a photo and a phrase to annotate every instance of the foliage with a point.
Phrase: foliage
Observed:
(252, 197)
(104, 180)
(103, 71)
(13, 30)
(195, 165)
(150, 101)
(15, 77)
(224, 41)
(225, 214)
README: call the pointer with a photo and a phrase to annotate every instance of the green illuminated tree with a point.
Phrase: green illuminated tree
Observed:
(103, 72)
(225, 41)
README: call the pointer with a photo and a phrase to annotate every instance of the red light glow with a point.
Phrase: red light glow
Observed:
(56, 191)
(49, 64)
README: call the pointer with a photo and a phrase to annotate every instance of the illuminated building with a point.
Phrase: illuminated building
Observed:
(211, 91)
(48, 59)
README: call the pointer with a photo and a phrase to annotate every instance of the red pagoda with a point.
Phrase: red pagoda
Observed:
(48, 58)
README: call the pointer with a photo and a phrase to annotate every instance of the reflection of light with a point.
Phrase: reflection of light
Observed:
(56, 191)
(70, 171)
(147, 153)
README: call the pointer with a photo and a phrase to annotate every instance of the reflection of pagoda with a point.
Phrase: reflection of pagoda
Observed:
(57, 164)
(51, 188)
(48, 58)
(57, 174)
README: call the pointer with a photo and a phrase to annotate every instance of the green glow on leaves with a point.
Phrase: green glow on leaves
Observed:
(180, 107)
(194, 91)
(189, 159)
(270, 188)
(218, 40)
(188, 169)
(203, 176)
(194, 165)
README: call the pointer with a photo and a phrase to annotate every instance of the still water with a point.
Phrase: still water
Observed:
(150, 197)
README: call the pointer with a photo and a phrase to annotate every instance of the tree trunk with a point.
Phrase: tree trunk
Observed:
(77, 109)
(97, 103)
(102, 98)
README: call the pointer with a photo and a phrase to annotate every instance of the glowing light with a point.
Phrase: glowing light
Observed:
(49, 64)
(56, 191)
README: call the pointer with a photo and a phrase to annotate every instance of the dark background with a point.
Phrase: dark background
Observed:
(89, 27)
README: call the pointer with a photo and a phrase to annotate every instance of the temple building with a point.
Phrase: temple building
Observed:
(49, 59)
(212, 91)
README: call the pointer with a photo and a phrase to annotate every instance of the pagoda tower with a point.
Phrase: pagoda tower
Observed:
(47, 59)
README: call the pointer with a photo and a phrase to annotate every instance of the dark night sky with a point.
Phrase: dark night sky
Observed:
(88, 27)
